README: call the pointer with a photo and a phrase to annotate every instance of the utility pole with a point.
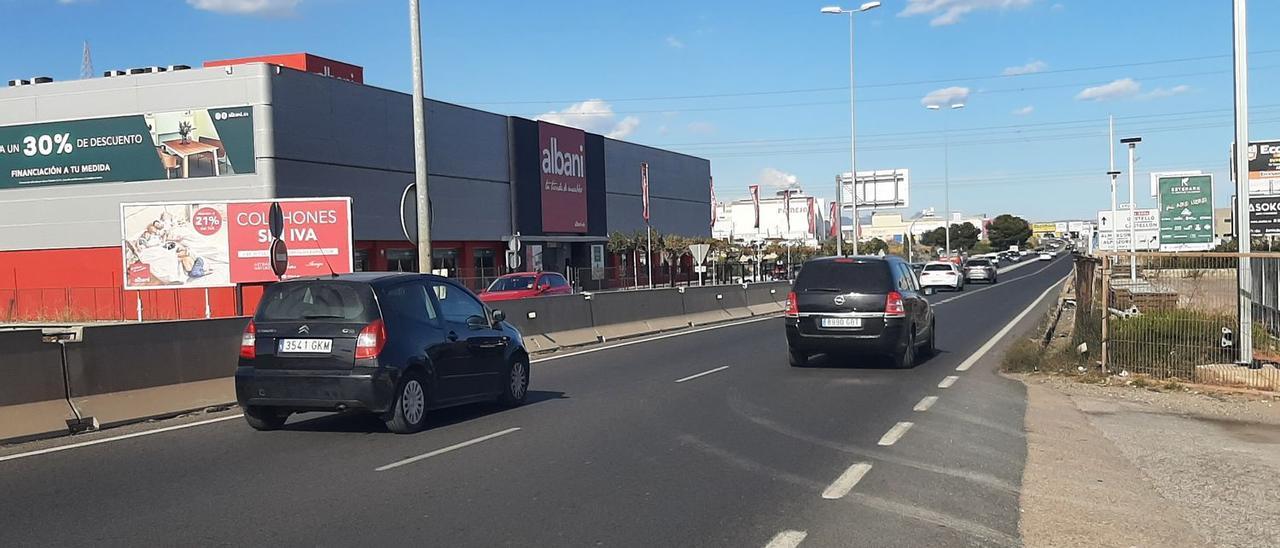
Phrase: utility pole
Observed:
(1111, 171)
(1244, 274)
(1133, 212)
(420, 142)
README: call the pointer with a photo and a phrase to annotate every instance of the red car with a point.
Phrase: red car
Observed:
(521, 285)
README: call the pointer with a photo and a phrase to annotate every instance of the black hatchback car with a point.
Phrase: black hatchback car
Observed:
(392, 344)
(864, 305)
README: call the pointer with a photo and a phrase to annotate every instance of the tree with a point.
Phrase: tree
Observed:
(874, 246)
(965, 236)
(933, 238)
(1008, 230)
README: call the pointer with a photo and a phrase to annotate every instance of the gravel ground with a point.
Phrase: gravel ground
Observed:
(1211, 457)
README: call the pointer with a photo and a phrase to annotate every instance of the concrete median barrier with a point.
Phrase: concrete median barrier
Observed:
(703, 305)
(735, 302)
(630, 313)
(33, 392)
(763, 299)
(548, 323)
(128, 372)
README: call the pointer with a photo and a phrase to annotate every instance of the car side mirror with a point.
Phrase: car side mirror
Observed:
(477, 322)
(929, 291)
(499, 316)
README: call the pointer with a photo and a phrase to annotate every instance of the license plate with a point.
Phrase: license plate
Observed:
(306, 346)
(841, 322)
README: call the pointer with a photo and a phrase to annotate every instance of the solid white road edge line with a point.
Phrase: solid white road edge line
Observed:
(444, 450)
(894, 434)
(992, 286)
(846, 481)
(657, 338)
(925, 403)
(986, 347)
(947, 382)
(117, 438)
(787, 539)
(691, 377)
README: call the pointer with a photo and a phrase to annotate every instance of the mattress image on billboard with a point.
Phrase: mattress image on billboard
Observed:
(175, 245)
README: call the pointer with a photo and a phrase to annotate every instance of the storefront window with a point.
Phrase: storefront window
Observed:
(402, 260)
(360, 261)
(485, 262)
(445, 259)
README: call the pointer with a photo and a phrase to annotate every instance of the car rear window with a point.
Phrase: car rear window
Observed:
(317, 300)
(845, 276)
(514, 283)
(937, 268)
(979, 262)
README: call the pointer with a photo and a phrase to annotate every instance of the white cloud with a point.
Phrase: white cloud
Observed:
(1031, 67)
(776, 179)
(949, 12)
(675, 42)
(1160, 93)
(701, 128)
(1119, 89)
(1024, 110)
(246, 7)
(946, 96)
(594, 115)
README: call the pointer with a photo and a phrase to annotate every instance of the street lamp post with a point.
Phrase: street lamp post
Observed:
(1133, 212)
(420, 143)
(946, 172)
(1244, 271)
(853, 138)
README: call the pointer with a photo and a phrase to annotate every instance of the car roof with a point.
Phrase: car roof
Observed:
(369, 277)
(940, 262)
(860, 258)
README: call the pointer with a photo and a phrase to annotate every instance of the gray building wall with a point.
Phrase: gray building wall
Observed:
(88, 215)
(679, 189)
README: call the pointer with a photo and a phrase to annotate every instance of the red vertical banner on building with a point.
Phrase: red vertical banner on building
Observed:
(832, 221)
(712, 182)
(755, 202)
(786, 204)
(813, 221)
(644, 189)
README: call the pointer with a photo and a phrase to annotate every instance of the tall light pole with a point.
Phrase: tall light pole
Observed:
(1244, 274)
(853, 138)
(946, 171)
(1133, 212)
(420, 142)
(1111, 171)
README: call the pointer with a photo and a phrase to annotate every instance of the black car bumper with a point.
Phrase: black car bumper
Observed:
(366, 388)
(889, 340)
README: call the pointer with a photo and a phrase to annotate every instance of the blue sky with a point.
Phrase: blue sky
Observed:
(760, 87)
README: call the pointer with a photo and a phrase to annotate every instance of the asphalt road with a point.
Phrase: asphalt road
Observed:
(701, 439)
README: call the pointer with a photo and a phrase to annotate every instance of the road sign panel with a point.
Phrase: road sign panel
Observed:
(699, 252)
(1186, 213)
(279, 258)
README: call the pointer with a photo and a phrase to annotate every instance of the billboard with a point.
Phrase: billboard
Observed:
(1113, 233)
(183, 144)
(218, 244)
(1186, 213)
(563, 181)
(1044, 228)
(1076, 226)
(882, 189)
(1264, 167)
(1264, 215)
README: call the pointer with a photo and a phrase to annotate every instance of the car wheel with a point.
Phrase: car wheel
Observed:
(265, 418)
(516, 383)
(906, 359)
(930, 348)
(409, 410)
(797, 358)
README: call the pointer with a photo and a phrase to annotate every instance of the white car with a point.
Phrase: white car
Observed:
(1046, 256)
(942, 274)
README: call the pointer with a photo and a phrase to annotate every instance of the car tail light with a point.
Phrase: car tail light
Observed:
(793, 307)
(371, 340)
(248, 341)
(893, 307)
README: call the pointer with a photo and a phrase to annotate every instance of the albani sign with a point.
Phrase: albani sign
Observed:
(215, 244)
(563, 178)
(143, 147)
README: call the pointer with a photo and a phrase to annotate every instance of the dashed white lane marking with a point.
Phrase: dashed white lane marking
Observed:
(787, 539)
(118, 438)
(925, 403)
(947, 382)
(444, 450)
(681, 333)
(846, 481)
(894, 434)
(986, 347)
(691, 377)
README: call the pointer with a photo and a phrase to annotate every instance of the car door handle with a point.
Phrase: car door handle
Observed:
(453, 337)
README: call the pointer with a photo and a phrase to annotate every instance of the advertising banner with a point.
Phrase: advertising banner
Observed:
(1113, 233)
(184, 144)
(644, 190)
(1076, 226)
(1060, 227)
(755, 204)
(217, 244)
(1186, 213)
(1264, 215)
(1264, 167)
(597, 261)
(1043, 228)
(564, 178)
(880, 189)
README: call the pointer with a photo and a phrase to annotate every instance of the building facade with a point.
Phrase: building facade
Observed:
(805, 221)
